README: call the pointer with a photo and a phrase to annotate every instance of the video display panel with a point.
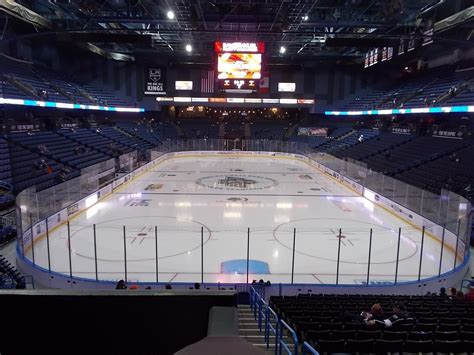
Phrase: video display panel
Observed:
(239, 65)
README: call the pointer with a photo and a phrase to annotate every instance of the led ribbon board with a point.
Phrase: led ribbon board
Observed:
(403, 111)
(4, 101)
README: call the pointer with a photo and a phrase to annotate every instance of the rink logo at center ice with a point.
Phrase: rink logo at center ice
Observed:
(239, 182)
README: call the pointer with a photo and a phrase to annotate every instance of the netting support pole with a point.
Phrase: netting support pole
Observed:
(202, 255)
(248, 253)
(69, 248)
(421, 252)
(47, 246)
(32, 241)
(441, 253)
(398, 255)
(95, 254)
(370, 252)
(156, 253)
(338, 256)
(125, 252)
(457, 244)
(293, 259)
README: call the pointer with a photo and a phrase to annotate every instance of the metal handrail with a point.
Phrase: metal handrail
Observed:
(270, 328)
(308, 349)
(262, 306)
(282, 344)
(265, 315)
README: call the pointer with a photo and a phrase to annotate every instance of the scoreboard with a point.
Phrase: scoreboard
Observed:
(238, 84)
(239, 65)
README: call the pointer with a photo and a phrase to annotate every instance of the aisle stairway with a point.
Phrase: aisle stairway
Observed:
(248, 330)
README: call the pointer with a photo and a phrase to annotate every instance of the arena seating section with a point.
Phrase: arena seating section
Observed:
(431, 163)
(331, 324)
(432, 89)
(268, 130)
(67, 150)
(427, 162)
(10, 277)
(19, 80)
(200, 128)
(5, 172)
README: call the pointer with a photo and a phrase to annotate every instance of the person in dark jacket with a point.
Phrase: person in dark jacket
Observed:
(121, 285)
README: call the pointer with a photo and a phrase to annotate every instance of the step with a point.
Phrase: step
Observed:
(256, 337)
(246, 315)
(244, 311)
(250, 332)
(248, 320)
(264, 346)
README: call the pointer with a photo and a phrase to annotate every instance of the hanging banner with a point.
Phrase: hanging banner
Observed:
(155, 81)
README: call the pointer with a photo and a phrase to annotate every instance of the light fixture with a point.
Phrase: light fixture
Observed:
(282, 49)
(305, 18)
(170, 14)
(189, 48)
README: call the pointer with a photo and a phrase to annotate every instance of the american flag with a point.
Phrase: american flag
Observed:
(207, 81)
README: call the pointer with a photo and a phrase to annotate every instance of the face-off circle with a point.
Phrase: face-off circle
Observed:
(239, 182)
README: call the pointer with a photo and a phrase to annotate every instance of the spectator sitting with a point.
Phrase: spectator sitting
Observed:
(459, 296)
(61, 176)
(398, 313)
(453, 90)
(469, 296)
(197, 286)
(42, 148)
(442, 292)
(452, 292)
(376, 317)
(121, 285)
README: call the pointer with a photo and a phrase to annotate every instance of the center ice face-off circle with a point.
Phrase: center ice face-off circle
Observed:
(240, 182)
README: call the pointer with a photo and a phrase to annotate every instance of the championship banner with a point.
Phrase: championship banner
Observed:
(428, 31)
(155, 81)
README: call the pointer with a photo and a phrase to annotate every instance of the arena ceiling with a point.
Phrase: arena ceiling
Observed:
(305, 28)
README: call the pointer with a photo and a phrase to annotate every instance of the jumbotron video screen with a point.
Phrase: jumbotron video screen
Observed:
(239, 66)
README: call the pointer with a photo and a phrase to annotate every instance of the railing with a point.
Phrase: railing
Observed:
(272, 324)
(271, 328)
(308, 349)
(444, 218)
(281, 342)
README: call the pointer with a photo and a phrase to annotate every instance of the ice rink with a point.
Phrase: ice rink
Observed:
(225, 197)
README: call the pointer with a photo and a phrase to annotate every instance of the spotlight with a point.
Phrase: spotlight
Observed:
(170, 14)
(282, 50)
(189, 48)
(305, 18)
